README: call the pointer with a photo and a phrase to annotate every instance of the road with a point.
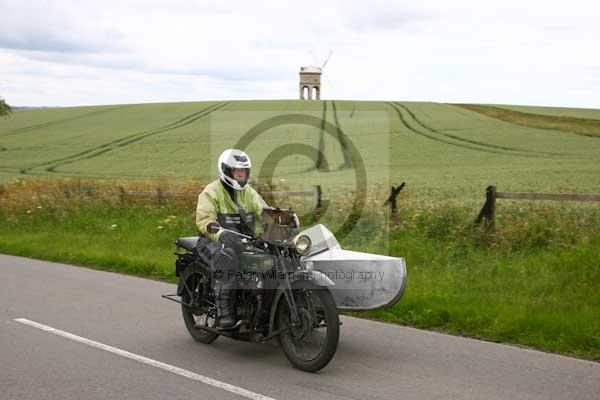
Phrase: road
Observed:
(115, 337)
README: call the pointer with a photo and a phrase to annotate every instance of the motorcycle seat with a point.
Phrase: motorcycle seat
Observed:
(188, 242)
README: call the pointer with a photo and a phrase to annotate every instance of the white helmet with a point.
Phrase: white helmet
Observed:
(229, 159)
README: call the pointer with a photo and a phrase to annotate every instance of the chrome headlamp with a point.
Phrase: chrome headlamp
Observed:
(302, 244)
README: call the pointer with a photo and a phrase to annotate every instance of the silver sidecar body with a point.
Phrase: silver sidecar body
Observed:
(362, 281)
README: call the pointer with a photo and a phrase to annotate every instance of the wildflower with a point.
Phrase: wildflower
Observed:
(28, 211)
(39, 207)
(160, 227)
(113, 226)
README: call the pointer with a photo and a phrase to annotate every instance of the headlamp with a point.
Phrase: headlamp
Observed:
(302, 244)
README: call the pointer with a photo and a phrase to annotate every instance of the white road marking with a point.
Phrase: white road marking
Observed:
(148, 361)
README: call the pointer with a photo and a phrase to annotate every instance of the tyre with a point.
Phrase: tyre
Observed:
(311, 343)
(195, 316)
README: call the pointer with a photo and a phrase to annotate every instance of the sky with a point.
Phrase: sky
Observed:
(68, 53)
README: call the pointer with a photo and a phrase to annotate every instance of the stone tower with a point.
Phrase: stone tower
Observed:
(310, 81)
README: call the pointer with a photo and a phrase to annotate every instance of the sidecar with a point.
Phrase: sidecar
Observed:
(362, 281)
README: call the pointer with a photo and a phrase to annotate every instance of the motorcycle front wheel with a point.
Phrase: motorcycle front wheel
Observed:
(195, 316)
(311, 342)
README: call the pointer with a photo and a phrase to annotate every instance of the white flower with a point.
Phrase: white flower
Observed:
(113, 226)
(28, 211)
(168, 219)
(160, 227)
(39, 207)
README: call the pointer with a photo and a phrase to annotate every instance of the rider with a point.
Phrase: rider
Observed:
(236, 206)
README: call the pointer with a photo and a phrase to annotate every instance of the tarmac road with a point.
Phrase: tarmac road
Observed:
(74, 333)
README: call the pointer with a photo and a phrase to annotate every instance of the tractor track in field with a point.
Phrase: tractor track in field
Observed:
(124, 141)
(347, 161)
(475, 142)
(58, 122)
(75, 174)
(9, 169)
(434, 135)
(320, 160)
(429, 134)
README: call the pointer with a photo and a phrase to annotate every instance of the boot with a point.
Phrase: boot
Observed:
(225, 302)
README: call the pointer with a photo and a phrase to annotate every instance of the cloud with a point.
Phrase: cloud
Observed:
(385, 50)
(40, 42)
(56, 27)
(383, 15)
(255, 70)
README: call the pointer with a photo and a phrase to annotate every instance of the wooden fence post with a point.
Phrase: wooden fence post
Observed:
(159, 196)
(121, 195)
(317, 198)
(393, 199)
(488, 211)
(491, 199)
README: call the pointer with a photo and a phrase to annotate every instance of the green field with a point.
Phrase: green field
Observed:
(442, 151)
(534, 281)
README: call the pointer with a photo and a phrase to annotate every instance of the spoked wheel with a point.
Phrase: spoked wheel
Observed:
(311, 342)
(198, 315)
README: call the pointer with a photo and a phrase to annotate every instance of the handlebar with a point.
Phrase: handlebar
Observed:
(237, 233)
(254, 241)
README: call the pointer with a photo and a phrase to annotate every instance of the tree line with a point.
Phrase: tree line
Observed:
(5, 109)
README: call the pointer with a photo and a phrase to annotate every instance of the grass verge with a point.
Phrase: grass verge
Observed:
(534, 282)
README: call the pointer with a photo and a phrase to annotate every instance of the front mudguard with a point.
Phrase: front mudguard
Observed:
(192, 269)
(316, 277)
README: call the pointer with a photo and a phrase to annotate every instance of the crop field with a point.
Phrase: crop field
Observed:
(533, 281)
(443, 152)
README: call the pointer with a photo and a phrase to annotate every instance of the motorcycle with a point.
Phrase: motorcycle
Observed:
(287, 289)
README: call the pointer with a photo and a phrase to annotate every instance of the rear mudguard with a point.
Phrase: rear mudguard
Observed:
(316, 277)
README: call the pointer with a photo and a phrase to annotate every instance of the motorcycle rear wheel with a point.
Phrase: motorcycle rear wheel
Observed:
(311, 344)
(194, 317)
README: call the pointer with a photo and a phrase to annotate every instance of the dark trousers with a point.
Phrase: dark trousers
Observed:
(224, 262)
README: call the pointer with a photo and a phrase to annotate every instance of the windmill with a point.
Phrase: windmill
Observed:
(310, 80)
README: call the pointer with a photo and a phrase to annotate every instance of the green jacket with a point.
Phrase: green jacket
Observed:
(215, 204)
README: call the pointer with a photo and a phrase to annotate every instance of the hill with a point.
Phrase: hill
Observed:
(442, 151)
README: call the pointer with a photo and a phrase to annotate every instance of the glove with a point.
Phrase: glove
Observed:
(232, 240)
